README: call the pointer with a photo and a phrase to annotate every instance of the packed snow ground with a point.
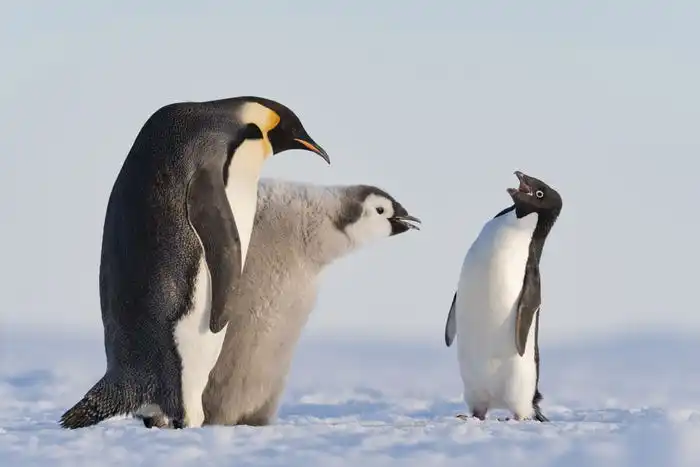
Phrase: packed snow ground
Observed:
(632, 402)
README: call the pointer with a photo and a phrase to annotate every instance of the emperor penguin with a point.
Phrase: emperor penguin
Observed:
(300, 229)
(495, 310)
(175, 240)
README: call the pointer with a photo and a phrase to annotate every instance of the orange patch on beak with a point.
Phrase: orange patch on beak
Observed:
(309, 145)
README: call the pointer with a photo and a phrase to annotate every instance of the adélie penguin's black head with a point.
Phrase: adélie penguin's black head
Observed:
(535, 196)
(288, 133)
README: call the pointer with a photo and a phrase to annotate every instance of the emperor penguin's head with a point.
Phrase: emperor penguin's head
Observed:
(278, 127)
(534, 195)
(369, 213)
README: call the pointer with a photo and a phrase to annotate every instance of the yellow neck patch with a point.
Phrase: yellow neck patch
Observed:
(265, 118)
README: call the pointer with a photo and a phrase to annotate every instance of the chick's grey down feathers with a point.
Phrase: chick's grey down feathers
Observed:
(299, 230)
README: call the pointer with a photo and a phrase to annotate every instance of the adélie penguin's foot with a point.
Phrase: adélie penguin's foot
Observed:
(465, 417)
(539, 418)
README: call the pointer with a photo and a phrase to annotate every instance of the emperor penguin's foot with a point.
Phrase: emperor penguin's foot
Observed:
(178, 424)
(156, 421)
(152, 416)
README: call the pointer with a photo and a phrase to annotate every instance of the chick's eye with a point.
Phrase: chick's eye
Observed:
(380, 210)
(539, 193)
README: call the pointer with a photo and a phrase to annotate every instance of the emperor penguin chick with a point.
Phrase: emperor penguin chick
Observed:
(300, 229)
(175, 241)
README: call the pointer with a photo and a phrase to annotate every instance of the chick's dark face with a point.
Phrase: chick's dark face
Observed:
(289, 133)
(402, 221)
(533, 195)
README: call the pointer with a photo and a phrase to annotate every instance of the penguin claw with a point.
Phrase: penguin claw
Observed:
(518, 419)
(158, 421)
(465, 417)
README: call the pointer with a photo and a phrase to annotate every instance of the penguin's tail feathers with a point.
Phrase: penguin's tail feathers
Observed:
(539, 416)
(104, 400)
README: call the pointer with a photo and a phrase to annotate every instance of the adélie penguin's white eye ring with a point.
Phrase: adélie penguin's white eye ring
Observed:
(539, 193)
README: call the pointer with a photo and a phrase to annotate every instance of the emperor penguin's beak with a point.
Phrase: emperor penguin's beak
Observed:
(311, 145)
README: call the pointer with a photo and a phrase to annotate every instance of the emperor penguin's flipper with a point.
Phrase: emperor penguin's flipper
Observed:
(211, 217)
(451, 324)
(104, 400)
(528, 305)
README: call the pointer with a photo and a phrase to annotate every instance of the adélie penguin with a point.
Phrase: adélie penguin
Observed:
(495, 312)
(175, 239)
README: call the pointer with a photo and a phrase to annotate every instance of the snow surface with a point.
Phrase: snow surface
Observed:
(631, 402)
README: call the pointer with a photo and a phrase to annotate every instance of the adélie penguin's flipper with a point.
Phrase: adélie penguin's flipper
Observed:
(451, 324)
(528, 305)
(104, 400)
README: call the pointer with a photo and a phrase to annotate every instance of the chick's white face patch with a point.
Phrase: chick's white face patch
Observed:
(373, 223)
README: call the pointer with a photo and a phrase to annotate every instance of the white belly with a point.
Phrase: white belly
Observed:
(242, 188)
(198, 347)
(493, 373)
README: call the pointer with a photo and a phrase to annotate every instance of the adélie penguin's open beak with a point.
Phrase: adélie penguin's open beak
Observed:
(309, 144)
(524, 188)
(403, 223)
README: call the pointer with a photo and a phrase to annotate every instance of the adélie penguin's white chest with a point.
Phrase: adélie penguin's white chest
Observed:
(494, 374)
(198, 347)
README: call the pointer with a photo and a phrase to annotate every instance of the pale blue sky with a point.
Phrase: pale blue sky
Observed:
(436, 102)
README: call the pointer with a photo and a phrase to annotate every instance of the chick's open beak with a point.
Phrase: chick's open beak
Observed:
(408, 221)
